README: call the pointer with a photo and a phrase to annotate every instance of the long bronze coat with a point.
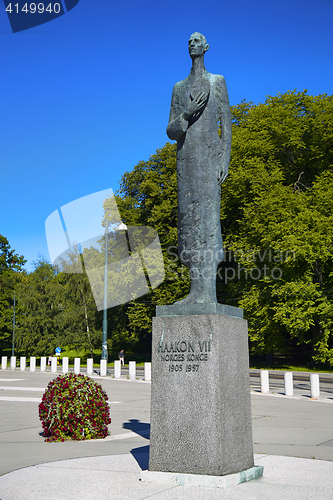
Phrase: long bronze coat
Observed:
(202, 165)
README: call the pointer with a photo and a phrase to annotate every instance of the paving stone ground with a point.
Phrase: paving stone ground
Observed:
(293, 439)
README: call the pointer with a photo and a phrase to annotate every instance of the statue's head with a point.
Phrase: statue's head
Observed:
(197, 45)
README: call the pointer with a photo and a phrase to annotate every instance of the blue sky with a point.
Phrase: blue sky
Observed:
(87, 96)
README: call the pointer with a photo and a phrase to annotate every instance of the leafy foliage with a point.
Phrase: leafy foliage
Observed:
(55, 308)
(80, 319)
(40, 304)
(74, 407)
(276, 208)
(148, 197)
(10, 274)
(277, 212)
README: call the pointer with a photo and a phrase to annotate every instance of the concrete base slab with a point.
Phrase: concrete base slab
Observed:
(174, 479)
(117, 477)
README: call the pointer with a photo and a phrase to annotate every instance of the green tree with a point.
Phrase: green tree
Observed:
(10, 274)
(80, 318)
(57, 308)
(276, 208)
(41, 303)
(148, 197)
(275, 217)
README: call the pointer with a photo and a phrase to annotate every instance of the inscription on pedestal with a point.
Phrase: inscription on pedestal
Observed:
(184, 352)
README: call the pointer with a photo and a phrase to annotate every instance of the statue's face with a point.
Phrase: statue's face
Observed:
(197, 45)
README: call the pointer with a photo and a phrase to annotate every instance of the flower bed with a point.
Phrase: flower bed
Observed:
(74, 407)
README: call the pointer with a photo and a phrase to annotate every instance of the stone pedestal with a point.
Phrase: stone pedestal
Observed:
(200, 401)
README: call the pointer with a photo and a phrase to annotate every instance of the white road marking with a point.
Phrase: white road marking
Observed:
(126, 435)
(11, 379)
(26, 400)
(17, 388)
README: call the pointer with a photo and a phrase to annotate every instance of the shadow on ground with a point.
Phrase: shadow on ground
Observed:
(141, 455)
(141, 428)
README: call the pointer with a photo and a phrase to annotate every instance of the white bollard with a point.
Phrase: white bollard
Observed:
(117, 368)
(4, 363)
(147, 371)
(54, 366)
(314, 384)
(43, 364)
(264, 381)
(23, 363)
(132, 370)
(32, 363)
(90, 366)
(77, 365)
(288, 384)
(65, 364)
(13, 362)
(103, 367)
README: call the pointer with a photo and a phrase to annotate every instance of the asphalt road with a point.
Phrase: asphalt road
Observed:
(296, 426)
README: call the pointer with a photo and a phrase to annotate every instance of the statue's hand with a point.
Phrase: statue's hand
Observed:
(223, 174)
(195, 105)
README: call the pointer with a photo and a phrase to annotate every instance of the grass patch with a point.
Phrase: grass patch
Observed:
(289, 368)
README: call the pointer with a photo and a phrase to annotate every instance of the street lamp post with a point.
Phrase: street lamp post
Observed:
(105, 304)
(122, 227)
(13, 326)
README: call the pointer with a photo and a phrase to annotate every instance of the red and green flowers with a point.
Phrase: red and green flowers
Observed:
(74, 407)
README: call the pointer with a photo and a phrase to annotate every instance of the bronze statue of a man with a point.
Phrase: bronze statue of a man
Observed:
(199, 104)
